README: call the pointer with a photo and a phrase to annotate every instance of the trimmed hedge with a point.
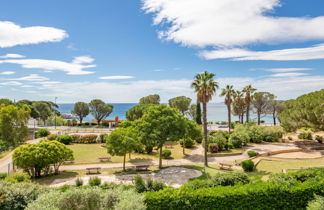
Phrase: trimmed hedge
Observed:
(260, 195)
(65, 139)
(87, 139)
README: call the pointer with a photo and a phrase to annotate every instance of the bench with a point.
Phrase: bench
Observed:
(95, 168)
(142, 167)
(68, 161)
(103, 159)
(168, 146)
(225, 166)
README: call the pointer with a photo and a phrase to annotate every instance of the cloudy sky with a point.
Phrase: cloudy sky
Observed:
(121, 50)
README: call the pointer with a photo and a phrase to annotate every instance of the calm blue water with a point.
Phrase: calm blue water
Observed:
(215, 112)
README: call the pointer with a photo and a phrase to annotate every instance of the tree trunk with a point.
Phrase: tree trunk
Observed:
(124, 162)
(183, 149)
(98, 122)
(259, 117)
(247, 112)
(160, 159)
(229, 117)
(274, 119)
(205, 132)
(129, 155)
(81, 120)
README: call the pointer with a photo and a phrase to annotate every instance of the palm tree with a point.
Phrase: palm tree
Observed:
(248, 90)
(239, 106)
(228, 92)
(205, 86)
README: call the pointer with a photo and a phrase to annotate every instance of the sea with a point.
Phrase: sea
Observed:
(215, 112)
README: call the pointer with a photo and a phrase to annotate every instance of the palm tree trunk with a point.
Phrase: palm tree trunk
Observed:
(160, 159)
(229, 117)
(247, 112)
(205, 132)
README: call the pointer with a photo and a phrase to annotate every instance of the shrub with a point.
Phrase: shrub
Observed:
(166, 153)
(199, 140)
(76, 138)
(142, 185)
(237, 139)
(290, 138)
(247, 165)
(139, 184)
(94, 181)
(86, 123)
(252, 153)
(3, 175)
(260, 195)
(88, 139)
(316, 204)
(93, 124)
(283, 179)
(319, 139)
(52, 137)
(187, 142)
(102, 137)
(3, 146)
(219, 139)
(78, 182)
(105, 124)
(305, 135)
(18, 177)
(43, 132)
(213, 148)
(65, 139)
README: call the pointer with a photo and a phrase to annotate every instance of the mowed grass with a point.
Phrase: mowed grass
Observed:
(276, 166)
(89, 153)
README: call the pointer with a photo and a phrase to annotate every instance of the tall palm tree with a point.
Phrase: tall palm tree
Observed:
(205, 86)
(248, 90)
(228, 92)
(239, 105)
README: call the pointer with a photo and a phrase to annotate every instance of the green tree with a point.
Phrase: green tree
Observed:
(6, 101)
(100, 110)
(192, 112)
(228, 92)
(33, 112)
(181, 103)
(274, 108)
(43, 109)
(13, 124)
(81, 110)
(137, 111)
(205, 86)
(193, 132)
(198, 114)
(159, 124)
(248, 90)
(239, 105)
(261, 101)
(150, 99)
(122, 141)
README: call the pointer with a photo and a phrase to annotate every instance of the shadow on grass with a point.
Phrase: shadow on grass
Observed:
(46, 180)
(138, 160)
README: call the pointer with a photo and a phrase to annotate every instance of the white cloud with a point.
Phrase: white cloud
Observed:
(281, 70)
(51, 65)
(230, 22)
(10, 55)
(157, 70)
(31, 77)
(289, 74)
(7, 72)
(11, 83)
(116, 77)
(237, 54)
(12, 34)
(83, 59)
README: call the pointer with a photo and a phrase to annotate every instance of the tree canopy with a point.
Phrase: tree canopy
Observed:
(81, 110)
(150, 99)
(100, 110)
(136, 112)
(181, 103)
(261, 101)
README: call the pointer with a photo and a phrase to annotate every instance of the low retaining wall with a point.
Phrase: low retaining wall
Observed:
(280, 151)
(225, 154)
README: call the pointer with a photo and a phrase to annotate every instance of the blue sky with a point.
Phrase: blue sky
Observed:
(121, 50)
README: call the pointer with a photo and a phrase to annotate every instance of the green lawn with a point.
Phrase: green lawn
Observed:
(89, 153)
(276, 166)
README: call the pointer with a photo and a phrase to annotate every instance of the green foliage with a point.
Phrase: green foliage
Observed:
(87, 139)
(89, 199)
(181, 103)
(319, 138)
(305, 135)
(136, 112)
(13, 125)
(100, 110)
(52, 137)
(261, 101)
(166, 153)
(260, 195)
(213, 147)
(59, 121)
(150, 99)
(18, 177)
(305, 111)
(43, 132)
(316, 204)
(78, 182)
(94, 181)
(65, 139)
(81, 110)
(193, 131)
(37, 158)
(3, 176)
(247, 165)
(198, 114)
(252, 153)
(43, 110)
(17, 196)
(148, 184)
(139, 184)
(187, 142)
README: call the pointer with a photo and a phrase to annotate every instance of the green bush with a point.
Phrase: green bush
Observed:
(18, 177)
(260, 195)
(305, 135)
(319, 139)
(52, 137)
(139, 184)
(166, 153)
(94, 181)
(316, 204)
(252, 153)
(3, 175)
(102, 138)
(43, 132)
(247, 165)
(105, 124)
(78, 182)
(187, 142)
(65, 139)
(213, 148)
(142, 185)
(4, 146)
(237, 139)
(87, 139)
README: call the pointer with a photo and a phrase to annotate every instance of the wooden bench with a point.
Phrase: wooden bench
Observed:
(225, 166)
(68, 161)
(168, 146)
(104, 159)
(95, 168)
(142, 167)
